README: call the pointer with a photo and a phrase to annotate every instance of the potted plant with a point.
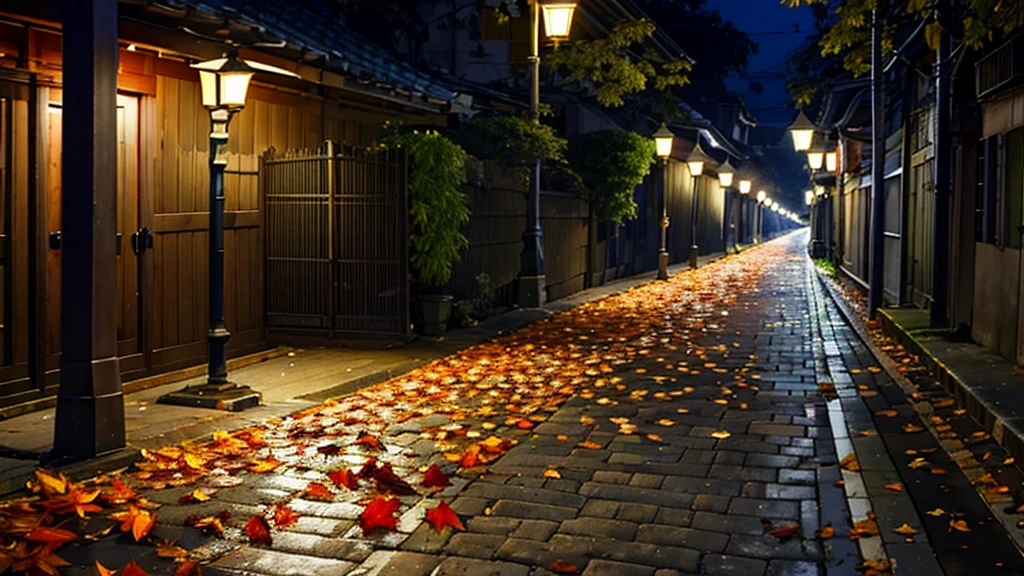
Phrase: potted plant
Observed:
(438, 210)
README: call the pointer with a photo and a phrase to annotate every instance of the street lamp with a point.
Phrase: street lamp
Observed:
(809, 197)
(744, 191)
(224, 83)
(816, 156)
(696, 162)
(803, 132)
(557, 22)
(725, 177)
(831, 161)
(762, 198)
(663, 143)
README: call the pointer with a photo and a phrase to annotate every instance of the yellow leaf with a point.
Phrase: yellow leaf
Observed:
(958, 525)
(665, 422)
(827, 532)
(937, 512)
(103, 570)
(850, 463)
(894, 487)
(721, 434)
(552, 473)
(906, 530)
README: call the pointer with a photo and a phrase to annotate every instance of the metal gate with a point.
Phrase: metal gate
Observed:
(336, 241)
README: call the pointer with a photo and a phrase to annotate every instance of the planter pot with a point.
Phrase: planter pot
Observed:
(433, 313)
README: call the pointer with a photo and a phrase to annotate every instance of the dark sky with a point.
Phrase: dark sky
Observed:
(771, 25)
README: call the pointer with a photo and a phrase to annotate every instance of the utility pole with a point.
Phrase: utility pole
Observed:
(877, 244)
(943, 148)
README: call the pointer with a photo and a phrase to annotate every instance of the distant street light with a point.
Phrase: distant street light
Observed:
(696, 162)
(725, 178)
(809, 197)
(744, 190)
(831, 161)
(816, 156)
(803, 132)
(663, 143)
(224, 83)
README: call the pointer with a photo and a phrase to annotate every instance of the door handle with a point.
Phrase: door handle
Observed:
(142, 240)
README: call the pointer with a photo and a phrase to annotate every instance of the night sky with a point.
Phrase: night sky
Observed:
(771, 25)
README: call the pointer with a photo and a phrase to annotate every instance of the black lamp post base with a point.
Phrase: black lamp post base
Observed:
(663, 266)
(531, 291)
(216, 396)
(693, 257)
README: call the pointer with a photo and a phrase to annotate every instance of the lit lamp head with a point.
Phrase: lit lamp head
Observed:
(831, 161)
(224, 82)
(816, 156)
(698, 159)
(663, 141)
(558, 19)
(809, 197)
(725, 174)
(745, 186)
(803, 132)
(775, 206)
(819, 190)
(761, 196)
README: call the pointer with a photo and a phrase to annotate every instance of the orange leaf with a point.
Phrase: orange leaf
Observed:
(344, 478)
(133, 569)
(284, 516)
(894, 487)
(524, 424)
(51, 483)
(435, 478)
(55, 537)
(827, 532)
(263, 466)
(103, 570)
(589, 445)
(188, 568)
(121, 493)
(369, 441)
(443, 516)
(563, 567)
(258, 530)
(379, 513)
(785, 532)
(196, 495)
(958, 525)
(142, 524)
(317, 491)
(552, 473)
(213, 524)
(170, 550)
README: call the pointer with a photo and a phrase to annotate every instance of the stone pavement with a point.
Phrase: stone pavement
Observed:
(688, 427)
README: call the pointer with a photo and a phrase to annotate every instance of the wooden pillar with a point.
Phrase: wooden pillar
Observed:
(90, 407)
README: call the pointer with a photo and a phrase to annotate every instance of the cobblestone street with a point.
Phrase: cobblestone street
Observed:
(720, 423)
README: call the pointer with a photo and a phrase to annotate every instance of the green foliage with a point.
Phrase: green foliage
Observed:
(481, 306)
(611, 164)
(438, 204)
(612, 66)
(826, 266)
(513, 141)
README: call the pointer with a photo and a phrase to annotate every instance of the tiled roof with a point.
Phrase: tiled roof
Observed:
(320, 38)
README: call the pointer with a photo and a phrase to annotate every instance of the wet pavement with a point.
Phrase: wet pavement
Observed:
(728, 421)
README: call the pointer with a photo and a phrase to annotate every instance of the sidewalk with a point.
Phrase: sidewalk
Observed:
(288, 383)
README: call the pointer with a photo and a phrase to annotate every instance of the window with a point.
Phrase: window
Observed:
(987, 195)
(1013, 188)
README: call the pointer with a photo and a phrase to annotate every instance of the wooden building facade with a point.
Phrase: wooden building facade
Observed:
(162, 191)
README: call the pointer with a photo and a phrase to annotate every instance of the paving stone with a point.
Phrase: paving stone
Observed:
(775, 429)
(537, 529)
(711, 503)
(611, 477)
(253, 560)
(423, 539)
(616, 529)
(790, 492)
(637, 513)
(600, 508)
(765, 508)
(312, 545)
(389, 563)
(673, 517)
(652, 481)
(771, 461)
(638, 495)
(606, 568)
(793, 568)
(720, 565)
(474, 545)
(729, 524)
(455, 566)
(524, 493)
(531, 511)
(685, 537)
(767, 547)
(796, 476)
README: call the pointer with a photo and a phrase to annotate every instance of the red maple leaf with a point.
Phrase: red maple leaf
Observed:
(434, 478)
(785, 532)
(121, 493)
(443, 516)
(368, 468)
(344, 478)
(133, 569)
(379, 513)
(387, 480)
(370, 441)
(258, 530)
(284, 516)
(188, 568)
(317, 491)
(55, 537)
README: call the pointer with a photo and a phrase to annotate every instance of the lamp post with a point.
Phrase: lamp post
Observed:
(762, 197)
(663, 143)
(224, 83)
(725, 177)
(744, 191)
(557, 21)
(802, 130)
(696, 162)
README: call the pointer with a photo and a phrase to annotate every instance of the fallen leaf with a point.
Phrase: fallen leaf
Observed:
(866, 527)
(874, 567)
(665, 422)
(370, 442)
(103, 570)
(552, 473)
(214, 524)
(911, 428)
(850, 462)
(258, 530)
(905, 530)
(284, 516)
(827, 532)
(785, 532)
(894, 487)
(937, 512)
(133, 569)
(563, 567)
(379, 513)
(54, 537)
(721, 434)
(196, 495)
(188, 568)
(589, 445)
(344, 478)
(317, 491)
(435, 478)
(386, 479)
(442, 516)
(655, 438)
(170, 550)
(958, 525)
